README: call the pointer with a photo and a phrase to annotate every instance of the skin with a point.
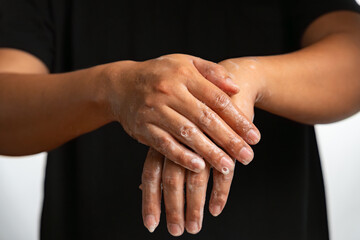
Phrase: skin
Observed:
(326, 70)
(159, 102)
(172, 103)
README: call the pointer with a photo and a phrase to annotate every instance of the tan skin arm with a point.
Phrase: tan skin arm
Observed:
(17, 61)
(40, 111)
(317, 84)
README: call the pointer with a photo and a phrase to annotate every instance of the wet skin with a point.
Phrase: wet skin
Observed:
(170, 178)
(171, 104)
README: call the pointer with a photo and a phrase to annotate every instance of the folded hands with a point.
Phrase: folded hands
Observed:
(195, 115)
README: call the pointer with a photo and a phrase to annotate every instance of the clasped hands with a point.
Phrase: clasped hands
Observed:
(194, 115)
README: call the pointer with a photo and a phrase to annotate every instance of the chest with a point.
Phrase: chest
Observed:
(99, 32)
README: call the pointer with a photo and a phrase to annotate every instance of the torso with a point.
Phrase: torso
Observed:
(92, 182)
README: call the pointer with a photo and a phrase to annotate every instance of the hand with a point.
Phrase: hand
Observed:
(249, 75)
(168, 101)
(173, 177)
(159, 171)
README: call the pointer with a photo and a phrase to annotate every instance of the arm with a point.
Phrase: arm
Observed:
(42, 111)
(319, 83)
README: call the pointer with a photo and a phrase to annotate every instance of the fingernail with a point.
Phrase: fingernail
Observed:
(246, 155)
(150, 223)
(198, 163)
(227, 164)
(216, 210)
(174, 229)
(253, 136)
(192, 227)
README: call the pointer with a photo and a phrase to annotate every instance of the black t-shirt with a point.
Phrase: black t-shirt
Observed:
(91, 186)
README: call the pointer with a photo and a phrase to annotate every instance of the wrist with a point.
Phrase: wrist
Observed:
(94, 91)
(250, 74)
(114, 81)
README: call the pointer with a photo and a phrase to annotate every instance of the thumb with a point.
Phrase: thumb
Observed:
(245, 103)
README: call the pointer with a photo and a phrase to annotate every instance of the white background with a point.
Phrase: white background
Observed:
(21, 182)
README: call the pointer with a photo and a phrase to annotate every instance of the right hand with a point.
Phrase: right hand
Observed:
(168, 102)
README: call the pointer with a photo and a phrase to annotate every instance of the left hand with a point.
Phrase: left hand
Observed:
(157, 169)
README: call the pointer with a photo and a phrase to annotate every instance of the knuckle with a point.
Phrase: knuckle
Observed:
(227, 178)
(112, 72)
(196, 181)
(220, 198)
(150, 176)
(207, 71)
(163, 87)
(182, 70)
(150, 207)
(141, 139)
(171, 183)
(139, 122)
(222, 101)
(182, 157)
(218, 71)
(174, 214)
(206, 117)
(149, 101)
(164, 144)
(234, 144)
(196, 214)
(216, 154)
(166, 58)
(187, 131)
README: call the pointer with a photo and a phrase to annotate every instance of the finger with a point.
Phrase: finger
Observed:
(189, 134)
(196, 184)
(151, 189)
(209, 122)
(167, 145)
(216, 74)
(221, 103)
(173, 187)
(220, 191)
(213, 72)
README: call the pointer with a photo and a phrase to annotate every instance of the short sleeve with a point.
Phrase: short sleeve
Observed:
(26, 25)
(301, 13)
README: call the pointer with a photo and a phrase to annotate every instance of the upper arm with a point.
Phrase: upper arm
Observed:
(334, 22)
(18, 61)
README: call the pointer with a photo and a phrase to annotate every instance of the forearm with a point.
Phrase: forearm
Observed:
(38, 112)
(318, 84)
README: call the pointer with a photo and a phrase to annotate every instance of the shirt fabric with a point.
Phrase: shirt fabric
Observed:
(91, 185)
